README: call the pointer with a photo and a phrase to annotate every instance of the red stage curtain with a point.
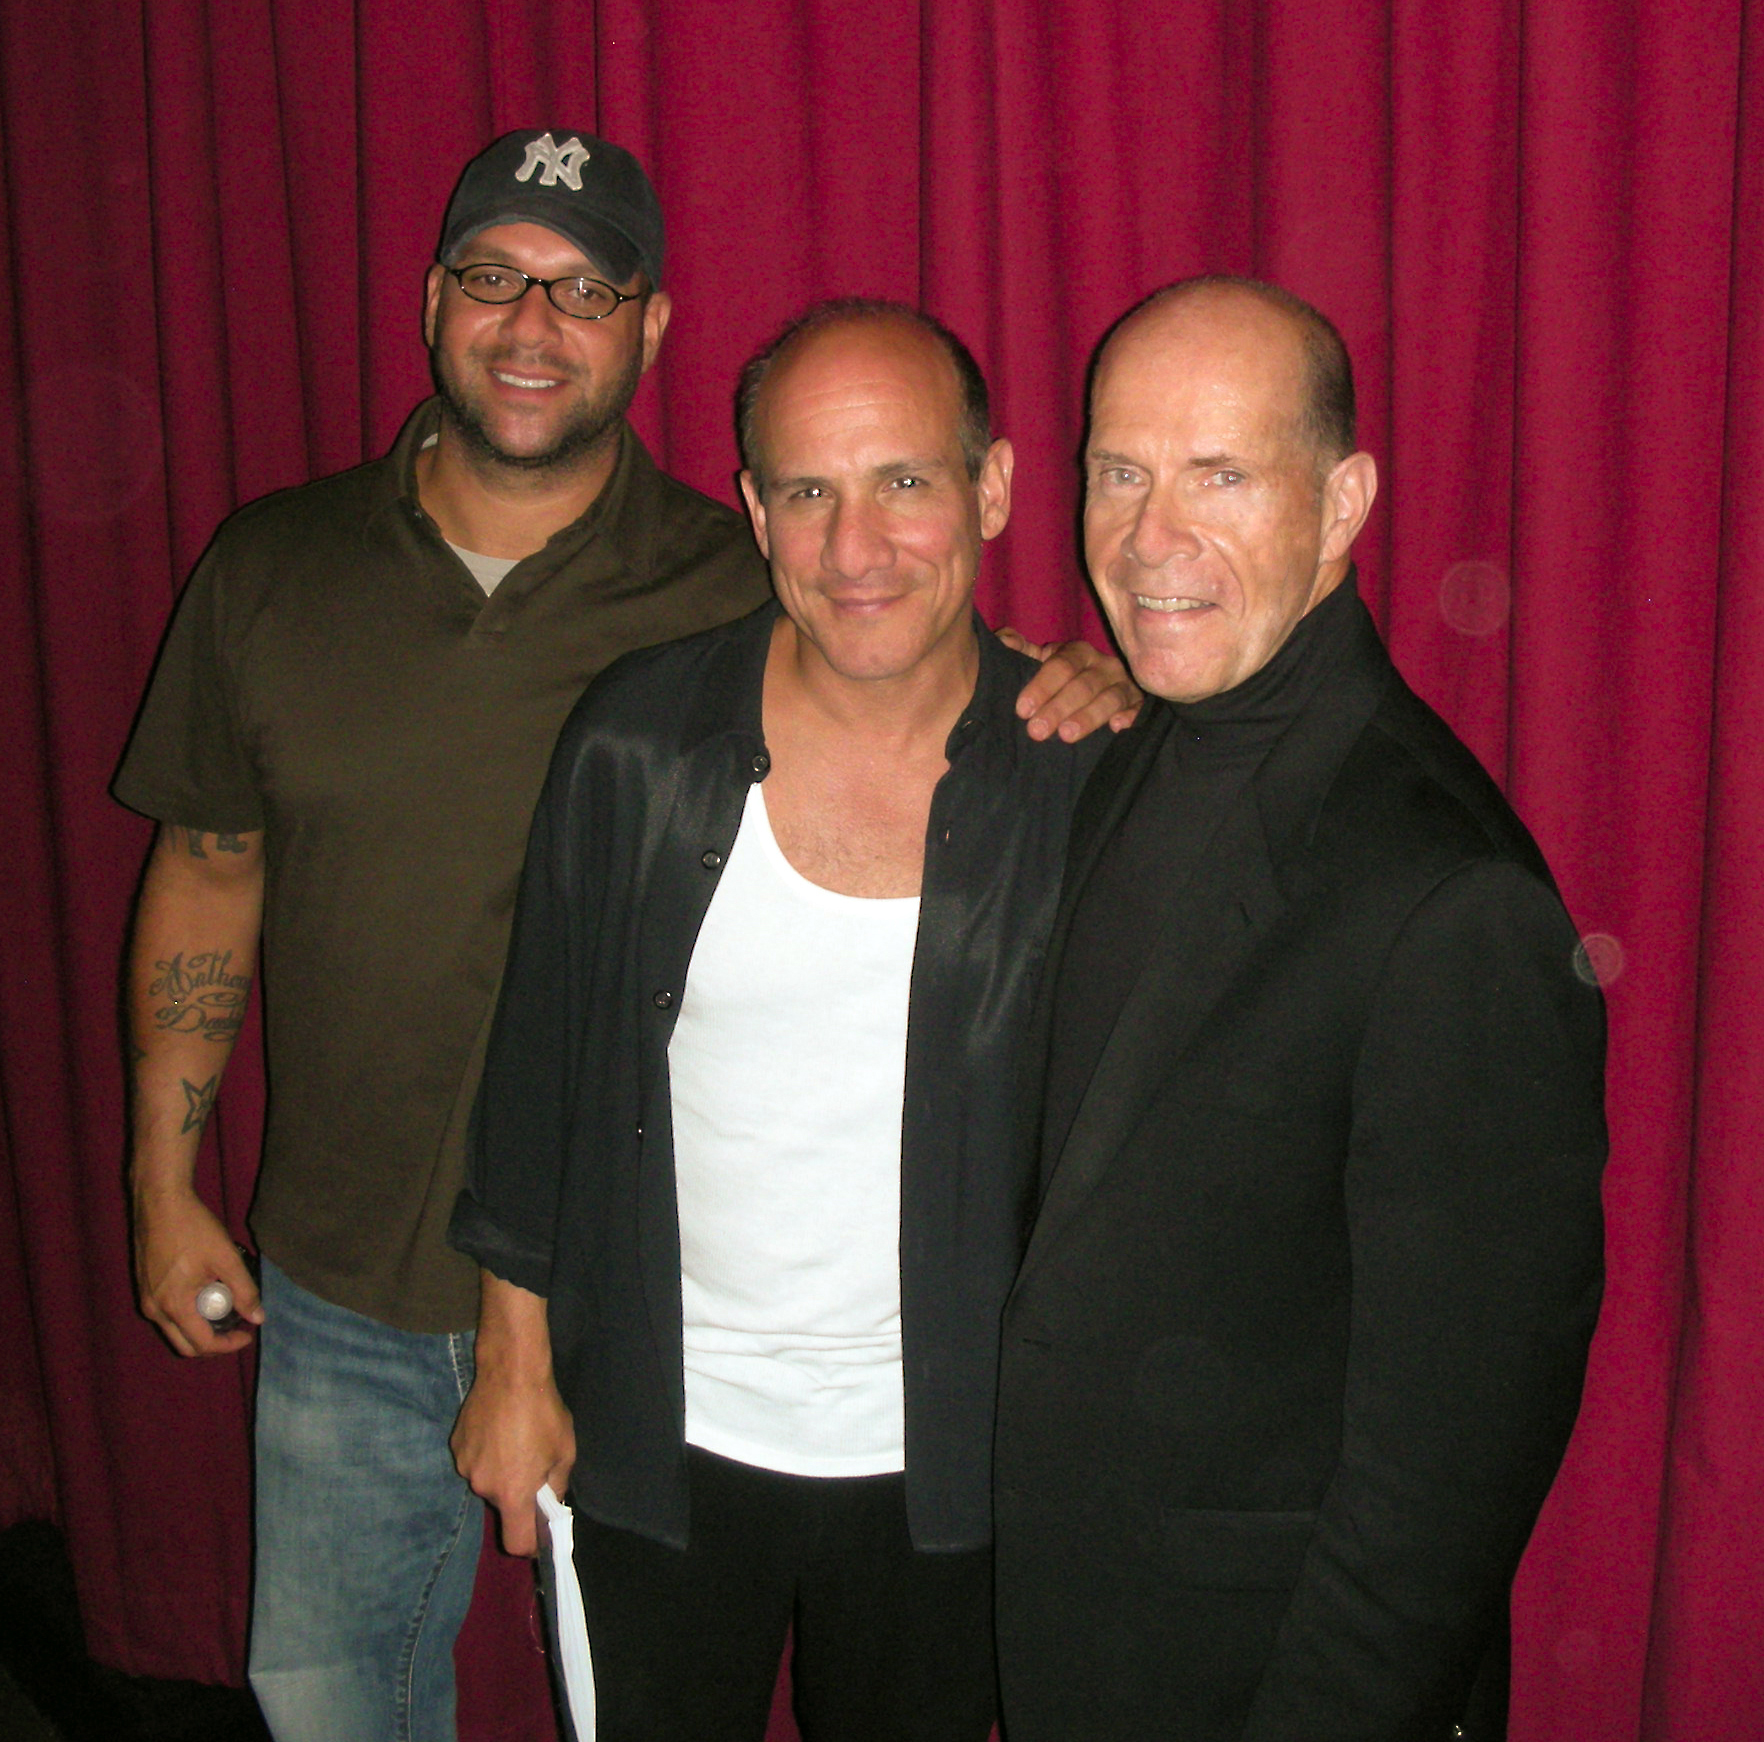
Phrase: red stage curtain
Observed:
(1541, 227)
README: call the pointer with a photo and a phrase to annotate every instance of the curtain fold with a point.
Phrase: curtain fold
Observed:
(1703, 1661)
(1540, 225)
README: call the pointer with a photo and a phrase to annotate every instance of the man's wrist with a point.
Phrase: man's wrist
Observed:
(513, 1360)
(158, 1192)
(513, 1345)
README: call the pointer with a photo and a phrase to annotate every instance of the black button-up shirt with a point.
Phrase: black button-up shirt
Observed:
(570, 1190)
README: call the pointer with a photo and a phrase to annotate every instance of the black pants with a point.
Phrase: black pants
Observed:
(891, 1645)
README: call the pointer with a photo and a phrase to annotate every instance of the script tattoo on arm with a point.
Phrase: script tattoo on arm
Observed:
(198, 1102)
(200, 997)
(193, 839)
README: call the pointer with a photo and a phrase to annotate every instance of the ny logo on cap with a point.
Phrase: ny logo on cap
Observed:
(561, 162)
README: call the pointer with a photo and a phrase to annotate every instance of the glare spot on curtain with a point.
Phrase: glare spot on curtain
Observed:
(1475, 598)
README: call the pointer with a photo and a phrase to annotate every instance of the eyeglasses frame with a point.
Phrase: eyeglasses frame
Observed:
(620, 297)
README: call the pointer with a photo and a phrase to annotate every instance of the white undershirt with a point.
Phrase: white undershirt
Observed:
(788, 1066)
(487, 571)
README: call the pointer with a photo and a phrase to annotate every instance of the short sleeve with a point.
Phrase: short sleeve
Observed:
(186, 761)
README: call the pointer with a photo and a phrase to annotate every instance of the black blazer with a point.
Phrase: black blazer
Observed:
(1299, 1337)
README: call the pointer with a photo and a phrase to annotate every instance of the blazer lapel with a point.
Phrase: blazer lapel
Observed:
(1215, 919)
(1106, 797)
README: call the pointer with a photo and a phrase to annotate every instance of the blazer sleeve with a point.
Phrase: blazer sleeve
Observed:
(1472, 1188)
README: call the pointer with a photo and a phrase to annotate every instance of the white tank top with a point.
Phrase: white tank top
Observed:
(788, 1066)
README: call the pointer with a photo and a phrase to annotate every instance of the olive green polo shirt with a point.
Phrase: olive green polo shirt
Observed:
(335, 677)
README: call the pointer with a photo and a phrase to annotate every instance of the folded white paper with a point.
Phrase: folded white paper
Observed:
(569, 1624)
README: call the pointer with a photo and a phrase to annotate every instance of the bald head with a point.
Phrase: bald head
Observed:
(969, 404)
(1215, 515)
(865, 499)
(1326, 413)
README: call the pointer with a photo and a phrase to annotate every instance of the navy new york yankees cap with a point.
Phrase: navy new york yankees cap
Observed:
(588, 190)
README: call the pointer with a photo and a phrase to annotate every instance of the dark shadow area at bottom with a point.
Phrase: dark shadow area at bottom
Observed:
(72, 1699)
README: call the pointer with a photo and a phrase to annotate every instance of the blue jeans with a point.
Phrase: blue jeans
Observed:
(367, 1539)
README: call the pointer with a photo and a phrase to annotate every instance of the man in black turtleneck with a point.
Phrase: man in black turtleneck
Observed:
(1299, 1338)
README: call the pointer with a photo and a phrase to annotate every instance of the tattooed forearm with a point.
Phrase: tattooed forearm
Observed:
(200, 996)
(198, 1102)
(193, 839)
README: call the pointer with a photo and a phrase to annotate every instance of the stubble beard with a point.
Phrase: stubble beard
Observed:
(580, 441)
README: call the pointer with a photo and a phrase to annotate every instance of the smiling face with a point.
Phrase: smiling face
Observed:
(527, 387)
(866, 511)
(1208, 529)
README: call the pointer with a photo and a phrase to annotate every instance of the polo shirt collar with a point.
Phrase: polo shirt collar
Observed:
(618, 508)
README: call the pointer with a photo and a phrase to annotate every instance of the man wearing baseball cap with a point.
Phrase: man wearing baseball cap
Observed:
(342, 742)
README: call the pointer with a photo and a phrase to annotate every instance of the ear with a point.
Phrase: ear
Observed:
(756, 512)
(1347, 500)
(993, 487)
(657, 312)
(432, 285)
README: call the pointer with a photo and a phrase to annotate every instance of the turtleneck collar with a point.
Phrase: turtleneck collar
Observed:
(1245, 720)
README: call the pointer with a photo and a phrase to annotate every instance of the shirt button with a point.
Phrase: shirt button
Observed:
(710, 859)
(662, 1000)
(761, 763)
